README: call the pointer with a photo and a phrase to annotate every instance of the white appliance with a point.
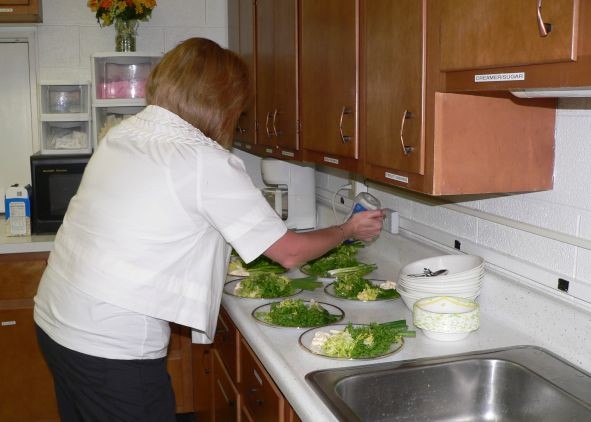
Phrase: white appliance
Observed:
(291, 191)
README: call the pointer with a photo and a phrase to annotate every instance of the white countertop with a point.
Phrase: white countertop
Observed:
(288, 363)
(23, 244)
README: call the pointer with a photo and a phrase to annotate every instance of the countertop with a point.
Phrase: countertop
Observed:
(288, 363)
(23, 244)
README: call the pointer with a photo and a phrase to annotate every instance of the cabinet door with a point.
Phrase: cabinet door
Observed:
(17, 11)
(226, 400)
(241, 35)
(493, 33)
(329, 79)
(394, 84)
(179, 365)
(261, 397)
(276, 73)
(227, 343)
(201, 356)
(26, 386)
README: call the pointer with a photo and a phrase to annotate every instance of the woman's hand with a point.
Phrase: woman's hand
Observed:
(364, 225)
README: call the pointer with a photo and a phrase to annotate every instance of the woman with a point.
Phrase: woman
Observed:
(146, 240)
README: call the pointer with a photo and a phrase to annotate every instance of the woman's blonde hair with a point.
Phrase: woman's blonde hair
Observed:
(203, 84)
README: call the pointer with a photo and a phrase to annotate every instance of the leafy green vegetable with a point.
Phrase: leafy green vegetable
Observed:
(365, 341)
(343, 256)
(354, 286)
(359, 269)
(264, 285)
(295, 313)
(261, 264)
(306, 283)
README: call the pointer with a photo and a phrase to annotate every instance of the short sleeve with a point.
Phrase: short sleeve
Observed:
(235, 207)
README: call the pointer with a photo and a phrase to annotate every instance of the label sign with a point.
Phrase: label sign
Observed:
(288, 153)
(6, 10)
(269, 150)
(8, 323)
(331, 160)
(500, 77)
(396, 177)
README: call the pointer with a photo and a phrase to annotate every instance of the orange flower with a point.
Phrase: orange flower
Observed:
(109, 11)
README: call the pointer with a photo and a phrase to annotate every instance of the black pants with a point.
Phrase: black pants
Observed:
(93, 389)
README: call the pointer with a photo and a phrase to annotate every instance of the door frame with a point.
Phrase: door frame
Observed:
(28, 35)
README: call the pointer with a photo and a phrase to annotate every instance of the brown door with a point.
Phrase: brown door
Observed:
(394, 84)
(241, 36)
(493, 33)
(329, 76)
(276, 73)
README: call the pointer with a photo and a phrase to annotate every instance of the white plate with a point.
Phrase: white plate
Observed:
(329, 290)
(306, 338)
(231, 285)
(333, 310)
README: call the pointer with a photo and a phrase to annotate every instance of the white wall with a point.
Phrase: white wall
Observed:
(70, 33)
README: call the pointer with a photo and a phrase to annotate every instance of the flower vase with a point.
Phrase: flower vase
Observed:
(126, 33)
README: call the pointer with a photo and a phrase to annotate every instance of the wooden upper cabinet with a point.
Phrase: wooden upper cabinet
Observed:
(241, 40)
(329, 79)
(494, 33)
(20, 11)
(276, 96)
(494, 45)
(393, 56)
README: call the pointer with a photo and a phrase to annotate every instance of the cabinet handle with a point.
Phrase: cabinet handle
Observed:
(406, 115)
(344, 138)
(543, 28)
(269, 134)
(275, 113)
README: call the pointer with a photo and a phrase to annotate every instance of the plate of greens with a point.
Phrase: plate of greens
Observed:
(298, 313)
(356, 341)
(238, 267)
(355, 287)
(262, 286)
(339, 260)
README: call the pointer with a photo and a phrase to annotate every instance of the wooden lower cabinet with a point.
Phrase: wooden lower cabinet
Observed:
(239, 388)
(180, 367)
(26, 386)
(226, 398)
(261, 396)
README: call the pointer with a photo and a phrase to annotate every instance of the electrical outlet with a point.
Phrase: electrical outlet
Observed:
(391, 222)
(357, 188)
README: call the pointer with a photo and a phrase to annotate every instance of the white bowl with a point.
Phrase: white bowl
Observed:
(409, 298)
(447, 290)
(446, 318)
(454, 264)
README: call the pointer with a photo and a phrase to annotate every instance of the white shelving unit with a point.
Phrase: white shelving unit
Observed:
(118, 88)
(64, 117)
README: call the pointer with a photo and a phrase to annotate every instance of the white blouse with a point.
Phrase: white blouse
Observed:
(150, 228)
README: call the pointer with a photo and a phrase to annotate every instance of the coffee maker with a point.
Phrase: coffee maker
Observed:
(291, 190)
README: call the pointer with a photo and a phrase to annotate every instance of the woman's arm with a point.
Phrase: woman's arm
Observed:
(293, 249)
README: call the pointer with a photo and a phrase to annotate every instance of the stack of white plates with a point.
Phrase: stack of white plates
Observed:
(461, 276)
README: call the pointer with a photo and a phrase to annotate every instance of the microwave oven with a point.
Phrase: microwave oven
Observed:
(55, 180)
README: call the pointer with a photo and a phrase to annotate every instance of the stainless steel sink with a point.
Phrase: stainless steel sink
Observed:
(519, 384)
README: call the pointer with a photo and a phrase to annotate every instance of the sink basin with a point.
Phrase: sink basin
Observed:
(524, 383)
